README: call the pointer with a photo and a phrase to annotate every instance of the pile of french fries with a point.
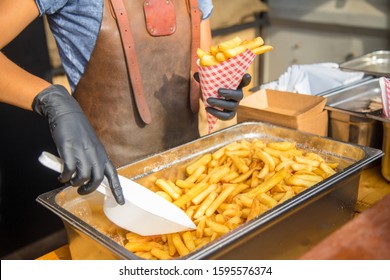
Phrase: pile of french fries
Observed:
(226, 188)
(231, 48)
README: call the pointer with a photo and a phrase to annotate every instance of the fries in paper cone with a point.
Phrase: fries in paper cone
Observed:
(223, 66)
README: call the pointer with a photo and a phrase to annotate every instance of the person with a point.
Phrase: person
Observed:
(134, 86)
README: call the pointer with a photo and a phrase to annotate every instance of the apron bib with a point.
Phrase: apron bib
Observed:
(106, 95)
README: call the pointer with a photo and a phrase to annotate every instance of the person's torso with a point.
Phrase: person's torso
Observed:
(107, 98)
(75, 25)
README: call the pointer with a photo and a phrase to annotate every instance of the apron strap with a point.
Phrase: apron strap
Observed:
(132, 62)
(131, 59)
(195, 31)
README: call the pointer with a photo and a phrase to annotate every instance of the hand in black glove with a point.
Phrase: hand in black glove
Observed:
(229, 103)
(85, 159)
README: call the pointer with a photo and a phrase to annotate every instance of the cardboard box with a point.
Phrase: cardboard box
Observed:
(305, 113)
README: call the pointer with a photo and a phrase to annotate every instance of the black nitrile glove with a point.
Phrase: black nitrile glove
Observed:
(227, 106)
(85, 159)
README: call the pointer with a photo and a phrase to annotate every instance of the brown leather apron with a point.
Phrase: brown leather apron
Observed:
(106, 95)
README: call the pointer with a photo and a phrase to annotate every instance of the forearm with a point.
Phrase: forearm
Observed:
(18, 87)
(205, 34)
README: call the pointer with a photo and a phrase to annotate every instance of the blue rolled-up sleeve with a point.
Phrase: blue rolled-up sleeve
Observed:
(49, 6)
(206, 6)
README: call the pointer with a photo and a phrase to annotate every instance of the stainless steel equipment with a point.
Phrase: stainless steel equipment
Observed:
(284, 232)
(376, 63)
(348, 107)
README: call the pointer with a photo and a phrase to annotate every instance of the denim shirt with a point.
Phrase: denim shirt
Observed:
(75, 25)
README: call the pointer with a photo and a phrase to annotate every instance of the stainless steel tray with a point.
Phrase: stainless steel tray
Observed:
(348, 108)
(284, 232)
(375, 63)
(355, 99)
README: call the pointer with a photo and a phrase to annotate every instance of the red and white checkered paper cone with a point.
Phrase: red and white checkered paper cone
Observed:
(385, 92)
(227, 74)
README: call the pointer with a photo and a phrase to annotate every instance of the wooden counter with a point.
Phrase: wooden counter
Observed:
(372, 188)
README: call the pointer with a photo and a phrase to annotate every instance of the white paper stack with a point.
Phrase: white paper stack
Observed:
(313, 79)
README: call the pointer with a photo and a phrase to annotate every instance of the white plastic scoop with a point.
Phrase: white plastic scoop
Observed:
(144, 211)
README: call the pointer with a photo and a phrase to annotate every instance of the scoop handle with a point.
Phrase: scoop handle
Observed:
(56, 164)
(51, 161)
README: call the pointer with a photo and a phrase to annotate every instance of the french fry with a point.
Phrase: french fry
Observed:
(237, 189)
(230, 176)
(256, 209)
(160, 254)
(143, 246)
(216, 227)
(267, 159)
(289, 194)
(214, 50)
(269, 183)
(144, 255)
(307, 161)
(239, 153)
(238, 162)
(200, 53)
(243, 177)
(235, 51)
(219, 174)
(176, 188)
(284, 164)
(232, 43)
(164, 195)
(218, 201)
(245, 200)
(266, 200)
(171, 246)
(179, 244)
(200, 228)
(197, 189)
(201, 242)
(325, 167)
(204, 160)
(251, 45)
(184, 184)
(234, 222)
(231, 213)
(219, 218)
(273, 152)
(281, 146)
(188, 240)
(315, 156)
(200, 197)
(249, 178)
(214, 236)
(195, 175)
(220, 57)
(296, 181)
(333, 165)
(262, 49)
(263, 172)
(219, 153)
(301, 166)
(229, 49)
(208, 60)
(205, 205)
(167, 188)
